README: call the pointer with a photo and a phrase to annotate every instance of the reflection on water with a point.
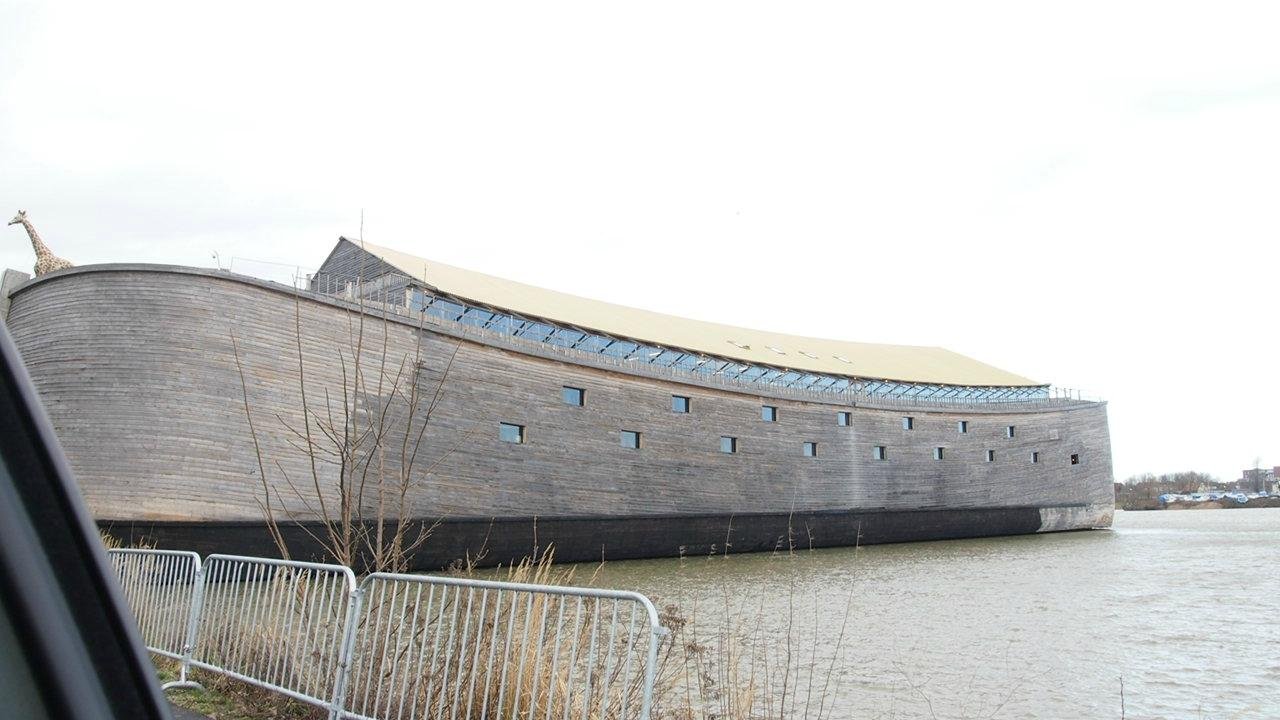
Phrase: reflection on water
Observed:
(1184, 606)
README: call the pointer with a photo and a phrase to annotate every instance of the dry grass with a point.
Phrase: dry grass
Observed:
(222, 698)
(439, 651)
(727, 658)
(475, 653)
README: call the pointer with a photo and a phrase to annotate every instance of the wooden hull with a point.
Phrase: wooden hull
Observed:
(139, 374)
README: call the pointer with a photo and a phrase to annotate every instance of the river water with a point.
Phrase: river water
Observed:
(1181, 607)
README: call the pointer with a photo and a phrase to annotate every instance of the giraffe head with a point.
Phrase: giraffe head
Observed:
(19, 218)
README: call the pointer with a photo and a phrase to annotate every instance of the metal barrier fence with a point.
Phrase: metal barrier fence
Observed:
(436, 647)
(161, 587)
(397, 646)
(281, 625)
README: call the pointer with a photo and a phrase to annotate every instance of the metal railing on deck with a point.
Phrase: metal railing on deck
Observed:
(397, 646)
(390, 295)
(1056, 397)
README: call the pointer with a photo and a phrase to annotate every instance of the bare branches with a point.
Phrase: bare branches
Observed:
(265, 504)
(360, 448)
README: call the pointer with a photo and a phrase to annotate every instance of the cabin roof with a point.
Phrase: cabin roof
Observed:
(904, 363)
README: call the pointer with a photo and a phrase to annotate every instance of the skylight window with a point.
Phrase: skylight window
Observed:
(843, 359)
(780, 352)
(737, 344)
(808, 354)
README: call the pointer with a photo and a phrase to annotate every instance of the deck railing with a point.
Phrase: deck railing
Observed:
(390, 299)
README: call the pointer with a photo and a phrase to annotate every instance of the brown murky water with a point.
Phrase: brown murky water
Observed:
(1183, 607)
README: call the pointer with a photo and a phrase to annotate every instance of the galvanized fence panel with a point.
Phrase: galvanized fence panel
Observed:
(160, 587)
(398, 646)
(282, 625)
(435, 647)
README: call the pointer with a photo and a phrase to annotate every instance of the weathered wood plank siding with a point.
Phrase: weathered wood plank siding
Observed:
(136, 367)
(349, 264)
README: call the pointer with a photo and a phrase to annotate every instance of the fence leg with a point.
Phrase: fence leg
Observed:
(337, 705)
(189, 644)
(650, 671)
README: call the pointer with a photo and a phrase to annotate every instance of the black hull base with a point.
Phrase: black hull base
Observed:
(497, 541)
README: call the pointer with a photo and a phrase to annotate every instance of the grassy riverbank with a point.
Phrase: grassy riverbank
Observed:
(225, 699)
(718, 660)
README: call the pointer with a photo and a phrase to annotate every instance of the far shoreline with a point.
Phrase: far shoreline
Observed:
(1144, 506)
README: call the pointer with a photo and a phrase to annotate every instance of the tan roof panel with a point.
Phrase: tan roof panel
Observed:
(866, 360)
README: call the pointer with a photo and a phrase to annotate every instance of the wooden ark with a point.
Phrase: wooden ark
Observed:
(138, 370)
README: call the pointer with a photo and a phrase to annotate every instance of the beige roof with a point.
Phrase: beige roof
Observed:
(866, 360)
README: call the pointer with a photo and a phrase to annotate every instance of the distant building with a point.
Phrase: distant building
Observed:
(1259, 479)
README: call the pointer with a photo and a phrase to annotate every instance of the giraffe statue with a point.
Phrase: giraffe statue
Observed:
(46, 261)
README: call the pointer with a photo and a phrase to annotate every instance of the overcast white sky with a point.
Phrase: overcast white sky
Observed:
(1087, 193)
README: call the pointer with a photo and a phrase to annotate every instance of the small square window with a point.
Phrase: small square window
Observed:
(769, 413)
(728, 444)
(963, 426)
(630, 439)
(1075, 459)
(908, 423)
(844, 419)
(1008, 431)
(937, 453)
(880, 452)
(991, 456)
(511, 433)
(1035, 457)
(679, 404)
(573, 395)
(811, 449)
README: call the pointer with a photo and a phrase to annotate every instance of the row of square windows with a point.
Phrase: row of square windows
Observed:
(962, 426)
(881, 452)
(512, 433)
(768, 413)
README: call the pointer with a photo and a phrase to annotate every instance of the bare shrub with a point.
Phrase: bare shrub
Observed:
(362, 443)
